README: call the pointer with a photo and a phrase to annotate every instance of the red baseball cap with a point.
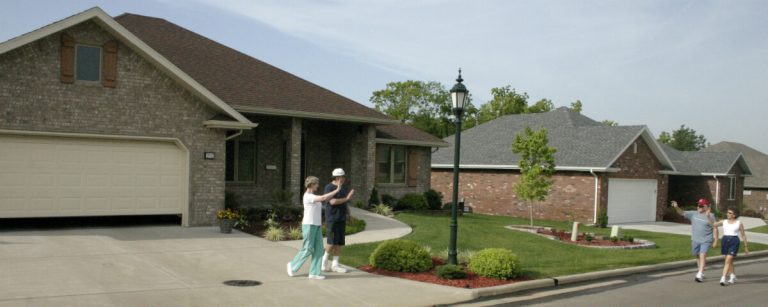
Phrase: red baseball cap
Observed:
(703, 202)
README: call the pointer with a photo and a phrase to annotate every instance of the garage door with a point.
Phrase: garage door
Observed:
(631, 200)
(44, 176)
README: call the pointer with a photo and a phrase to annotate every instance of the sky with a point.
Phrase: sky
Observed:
(665, 63)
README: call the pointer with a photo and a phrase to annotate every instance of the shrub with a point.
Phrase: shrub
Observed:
(294, 233)
(354, 226)
(271, 221)
(602, 218)
(589, 237)
(629, 239)
(751, 213)
(434, 199)
(274, 234)
(389, 200)
(383, 210)
(614, 239)
(496, 263)
(359, 204)
(401, 256)
(374, 199)
(450, 271)
(413, 201)
(466, 256)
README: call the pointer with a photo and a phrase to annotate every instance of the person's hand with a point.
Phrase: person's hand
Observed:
(674, 204)
(714, 244)
(349, 196)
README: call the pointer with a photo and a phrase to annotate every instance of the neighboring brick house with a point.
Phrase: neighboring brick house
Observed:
(134, 115)
(755, 195)
(621, 169)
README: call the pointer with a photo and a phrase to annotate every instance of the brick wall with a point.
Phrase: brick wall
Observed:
(145, 103)
(757, 200)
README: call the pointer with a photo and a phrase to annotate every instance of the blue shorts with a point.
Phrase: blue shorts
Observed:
(698, 248)
(730, 245)
(334, 231)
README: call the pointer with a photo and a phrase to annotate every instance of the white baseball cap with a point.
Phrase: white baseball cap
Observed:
(338, 172)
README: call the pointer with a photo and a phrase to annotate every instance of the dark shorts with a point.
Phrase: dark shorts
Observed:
(730, 245)
(335, 232)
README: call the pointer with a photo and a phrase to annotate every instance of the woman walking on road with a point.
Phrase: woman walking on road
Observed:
(732, 229)
(310, 230)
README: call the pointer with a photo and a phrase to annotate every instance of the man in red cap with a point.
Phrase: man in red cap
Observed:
(701, 233)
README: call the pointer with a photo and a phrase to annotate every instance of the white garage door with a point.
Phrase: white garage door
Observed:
(631, 200)
(43, 176)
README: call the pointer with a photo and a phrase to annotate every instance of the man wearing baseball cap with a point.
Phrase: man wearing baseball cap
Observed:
(702, 232)
(336, 220)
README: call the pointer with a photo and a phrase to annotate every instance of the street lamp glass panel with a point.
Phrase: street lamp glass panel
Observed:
(458, 99)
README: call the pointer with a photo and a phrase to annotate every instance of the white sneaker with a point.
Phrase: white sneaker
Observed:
(325, 267)
(732, 280)
(290, 271)
(722, 281)
(699, 277)
(339, 269)
(316, 277)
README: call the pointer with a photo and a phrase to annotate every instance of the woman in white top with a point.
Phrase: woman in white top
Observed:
(310, 230)
(732, 230)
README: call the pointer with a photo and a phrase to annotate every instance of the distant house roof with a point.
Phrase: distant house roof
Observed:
(705, 163)
(245, 83)
(581, 143)
(402, 134)
(757, 161)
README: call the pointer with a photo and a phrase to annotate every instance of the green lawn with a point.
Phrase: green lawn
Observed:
(761, 229)
(540, 257)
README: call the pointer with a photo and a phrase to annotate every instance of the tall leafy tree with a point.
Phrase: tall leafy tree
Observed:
(542, 106)
(610, 123)
(505, 101)
(537, 165)
(424, 105)
(683, 139)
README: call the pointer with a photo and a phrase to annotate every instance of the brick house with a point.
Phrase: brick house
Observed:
(755, 195)
(135, 115)
(621, 169)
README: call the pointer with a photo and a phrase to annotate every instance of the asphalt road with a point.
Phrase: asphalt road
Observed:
(670, 288)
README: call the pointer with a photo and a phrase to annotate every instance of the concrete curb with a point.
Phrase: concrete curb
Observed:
(552, 282)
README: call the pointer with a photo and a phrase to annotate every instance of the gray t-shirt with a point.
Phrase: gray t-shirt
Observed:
(701, 231)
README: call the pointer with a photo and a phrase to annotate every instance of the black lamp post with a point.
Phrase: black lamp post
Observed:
(459, 94)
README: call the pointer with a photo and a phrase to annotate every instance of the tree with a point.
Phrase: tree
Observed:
(505, 101)
(683, 139)
(576, 106)
(424, 105)
(537, 165)
(542, 106)
(610, 123)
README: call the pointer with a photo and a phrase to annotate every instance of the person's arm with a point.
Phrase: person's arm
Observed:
(341, 201)
(674, 205)
(744, 238)
(328, 195)
(715, 231)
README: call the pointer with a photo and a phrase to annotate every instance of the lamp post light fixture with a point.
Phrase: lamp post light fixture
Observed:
(459, 94)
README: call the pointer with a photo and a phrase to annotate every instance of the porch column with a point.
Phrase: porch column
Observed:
(363, 159)
(294, 166)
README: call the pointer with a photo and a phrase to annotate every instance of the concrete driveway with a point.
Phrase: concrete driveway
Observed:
(176, 266)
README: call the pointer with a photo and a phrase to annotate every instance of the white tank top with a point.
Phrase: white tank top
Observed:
(731, 229)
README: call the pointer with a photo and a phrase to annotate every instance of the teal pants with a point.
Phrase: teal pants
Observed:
(312, 246)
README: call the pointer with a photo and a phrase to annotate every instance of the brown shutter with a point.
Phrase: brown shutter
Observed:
(109, 68)
(413, 167)
(67, 59)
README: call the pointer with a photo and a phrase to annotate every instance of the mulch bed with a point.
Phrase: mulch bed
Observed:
(565, 237)
(471, 282)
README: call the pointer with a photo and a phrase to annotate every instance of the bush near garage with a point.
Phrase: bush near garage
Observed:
(413, 201)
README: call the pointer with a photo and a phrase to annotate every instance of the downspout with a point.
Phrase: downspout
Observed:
(591, 171)
(238, 133)
(717, 192)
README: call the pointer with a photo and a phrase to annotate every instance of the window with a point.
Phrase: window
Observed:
(391, 162)
(747, 192)
(241, 160)
(87, 63)
(731, 188)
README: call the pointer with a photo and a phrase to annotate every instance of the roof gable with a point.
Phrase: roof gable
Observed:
(755, 159)
(245, 83)
(138, 46)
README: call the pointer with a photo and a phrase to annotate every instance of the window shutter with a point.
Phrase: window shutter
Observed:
(67, 59)
(109, 67)
(413, 167)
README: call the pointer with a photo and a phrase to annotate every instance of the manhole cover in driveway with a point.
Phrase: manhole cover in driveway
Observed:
(242, 283)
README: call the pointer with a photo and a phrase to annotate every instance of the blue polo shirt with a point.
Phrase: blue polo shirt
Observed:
(337, 213)
(701, 231)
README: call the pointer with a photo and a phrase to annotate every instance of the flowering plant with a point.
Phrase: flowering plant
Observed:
(228, 214)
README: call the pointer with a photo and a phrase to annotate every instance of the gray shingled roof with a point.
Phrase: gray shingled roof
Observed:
(579, 140)
(757, 161)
